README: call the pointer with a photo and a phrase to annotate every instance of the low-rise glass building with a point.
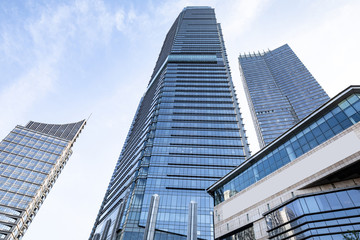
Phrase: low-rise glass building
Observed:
(305, 184)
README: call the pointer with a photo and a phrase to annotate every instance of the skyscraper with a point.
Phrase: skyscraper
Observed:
(280, 91)
(186, 134)
(31, 159)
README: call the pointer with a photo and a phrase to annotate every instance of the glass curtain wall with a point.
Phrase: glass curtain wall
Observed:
(280, 91)
(187, 134)
(31, 158)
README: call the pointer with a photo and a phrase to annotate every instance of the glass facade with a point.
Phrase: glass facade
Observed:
(317, 130)
(245, 233)
(187, 133)
(280, 91)
(323, 216)
(31, 158)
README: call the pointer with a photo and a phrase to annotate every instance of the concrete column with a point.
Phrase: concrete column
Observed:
(151, 219)
(192, 221)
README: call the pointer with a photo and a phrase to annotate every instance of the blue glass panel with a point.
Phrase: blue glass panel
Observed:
(323, 203)
(357, 106)
(304, 205)
(334, 201)
(332, 122)
(311, 204)
(355, 196)
(349, 111)
(324, 127)
(355, 117)
(345, 199)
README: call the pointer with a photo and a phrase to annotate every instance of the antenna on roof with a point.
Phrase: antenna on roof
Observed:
(88, 117)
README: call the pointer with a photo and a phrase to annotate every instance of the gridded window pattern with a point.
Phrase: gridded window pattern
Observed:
(187, 133)
(324, 216)
(27, 158)
(280, 91)
(330, 123)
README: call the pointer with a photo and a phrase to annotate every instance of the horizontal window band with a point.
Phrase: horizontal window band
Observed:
(204, 121)
(45, 173)
(199, 76)
(196, 86)
(211, 108)
(202, 96)
(25, 181)
(193, 189)
(210, 129)
(200, 165)
(218, 73)
(199, 90)
(191, 176)
(17, 193)
(193, 101)
(204, 145)
(202, 136)
(192, 83)
(196, 64)
(9, 224)
(204, 114)
(199, 154)
(206, 81)
(30, 147)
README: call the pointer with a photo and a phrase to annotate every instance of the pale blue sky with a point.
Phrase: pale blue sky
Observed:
(60, 61)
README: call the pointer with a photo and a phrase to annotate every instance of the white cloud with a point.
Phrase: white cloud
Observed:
(27, 88)
(44, 40)
(238, 16)
(119, 20)
(330, 48)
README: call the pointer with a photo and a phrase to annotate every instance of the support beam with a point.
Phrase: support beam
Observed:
(192, 222)
(151, 219)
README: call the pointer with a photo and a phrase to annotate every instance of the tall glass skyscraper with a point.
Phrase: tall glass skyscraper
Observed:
(31, 159)
(186, 134)
(280, 91)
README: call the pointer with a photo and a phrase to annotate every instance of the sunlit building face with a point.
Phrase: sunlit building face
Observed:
(31, 159)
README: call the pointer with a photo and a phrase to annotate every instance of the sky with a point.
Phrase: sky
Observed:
(62, 61)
